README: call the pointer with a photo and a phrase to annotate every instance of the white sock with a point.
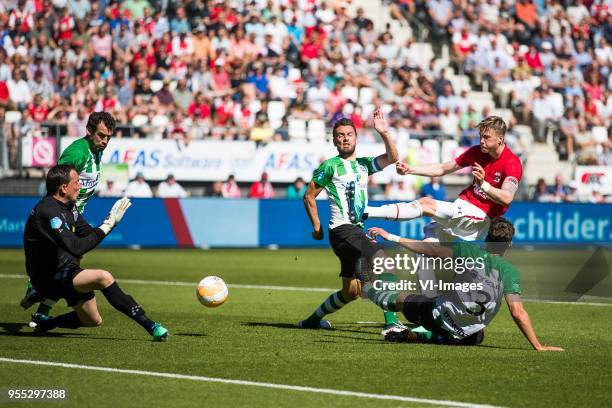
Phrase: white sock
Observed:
(396, 212)
(444, 210)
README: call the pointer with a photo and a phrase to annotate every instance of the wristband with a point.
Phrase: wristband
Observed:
(485, 186)
(393, 238)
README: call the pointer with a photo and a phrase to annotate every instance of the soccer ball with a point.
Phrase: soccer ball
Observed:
(212, 291)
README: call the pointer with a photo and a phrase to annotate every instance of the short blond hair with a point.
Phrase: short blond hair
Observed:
(494, 123)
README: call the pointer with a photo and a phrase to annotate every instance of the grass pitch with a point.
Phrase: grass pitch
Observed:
(253, 338)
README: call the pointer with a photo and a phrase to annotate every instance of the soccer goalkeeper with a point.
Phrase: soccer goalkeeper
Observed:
(458, 316)
(56, 236)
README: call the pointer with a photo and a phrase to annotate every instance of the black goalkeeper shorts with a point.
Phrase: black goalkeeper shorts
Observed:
(58, 285)
(350, 243)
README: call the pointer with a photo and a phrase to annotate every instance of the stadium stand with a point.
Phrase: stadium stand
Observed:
(283, 70)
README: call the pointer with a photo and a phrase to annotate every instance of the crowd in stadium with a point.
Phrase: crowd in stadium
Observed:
(275, 70)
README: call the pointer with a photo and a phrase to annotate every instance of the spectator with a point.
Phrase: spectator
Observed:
(434, 189)
(110, 190)
(215, 190)
(541, 193)
(262, 188)
(297, 189)
(139, 188)
(230, 188)
(559, 191)
(170, 188)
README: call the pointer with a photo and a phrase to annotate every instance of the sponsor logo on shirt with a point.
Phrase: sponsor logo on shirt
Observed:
(56, 223)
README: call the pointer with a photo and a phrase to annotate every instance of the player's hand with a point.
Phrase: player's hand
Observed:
(478, 173)
(115, 214)
(549, 348)
(378, 232)
(402, 168)
(380, 123)
(318, 234)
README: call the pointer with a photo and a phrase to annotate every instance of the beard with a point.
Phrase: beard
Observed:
(346, 151)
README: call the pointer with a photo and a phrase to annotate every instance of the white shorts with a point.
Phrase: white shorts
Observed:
(468, 223)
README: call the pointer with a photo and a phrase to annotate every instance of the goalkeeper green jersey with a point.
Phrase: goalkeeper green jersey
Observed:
(87, 163)
(463, 313)
(346, 183)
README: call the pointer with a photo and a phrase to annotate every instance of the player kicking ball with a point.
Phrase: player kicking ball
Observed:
(459, 317)
(56, 236)
(497, 173)
(345, 178)
(85, 154)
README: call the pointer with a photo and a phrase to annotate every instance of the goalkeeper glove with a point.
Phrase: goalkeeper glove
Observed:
(115, 215)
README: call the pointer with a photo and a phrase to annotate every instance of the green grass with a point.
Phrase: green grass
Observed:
(252, 337)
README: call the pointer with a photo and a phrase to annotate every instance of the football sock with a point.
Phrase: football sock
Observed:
(45, 306)
(127, 305)
(332, 304)
(67, 321)
(384, 299)
(397, 211)
(390, 318)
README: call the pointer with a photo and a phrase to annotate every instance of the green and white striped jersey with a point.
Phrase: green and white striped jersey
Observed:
(346, 183)
(87, 163)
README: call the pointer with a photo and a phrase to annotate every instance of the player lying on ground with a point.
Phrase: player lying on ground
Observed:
(497, 173)
(85, 154)
(56, 236)
(345, 178)
(458, 316)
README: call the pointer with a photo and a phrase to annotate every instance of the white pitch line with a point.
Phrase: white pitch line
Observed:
(313, 390)
(295, 288)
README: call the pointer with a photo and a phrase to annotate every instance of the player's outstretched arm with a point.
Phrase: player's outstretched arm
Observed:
(391, 155)
(310, 204)
(522, 320)
(503, 195)
(433, 249)
(115, 215)
(428, 170)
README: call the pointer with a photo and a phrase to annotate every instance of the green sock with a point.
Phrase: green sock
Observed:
(390, 318)
(333, 303)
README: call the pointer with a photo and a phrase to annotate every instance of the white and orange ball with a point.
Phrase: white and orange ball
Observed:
(212, 291)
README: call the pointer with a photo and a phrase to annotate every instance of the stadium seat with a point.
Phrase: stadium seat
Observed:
(12, 116)
(156, 85)
(448, 148)
(505, 114)
(366, 96)
(557, 100)
(316, 130)
(386, 108)
(351, 93)
(600, 134)
(294, 74)
(297, 129)
(480, 100)
(414, 143)
(367, 110)
(276, 112)
(139, 120)
(433, 147)
(160, 121)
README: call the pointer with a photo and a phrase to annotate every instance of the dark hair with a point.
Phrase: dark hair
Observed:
(343, 122)
(57, 176)
(96, 117)
(500, 230)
